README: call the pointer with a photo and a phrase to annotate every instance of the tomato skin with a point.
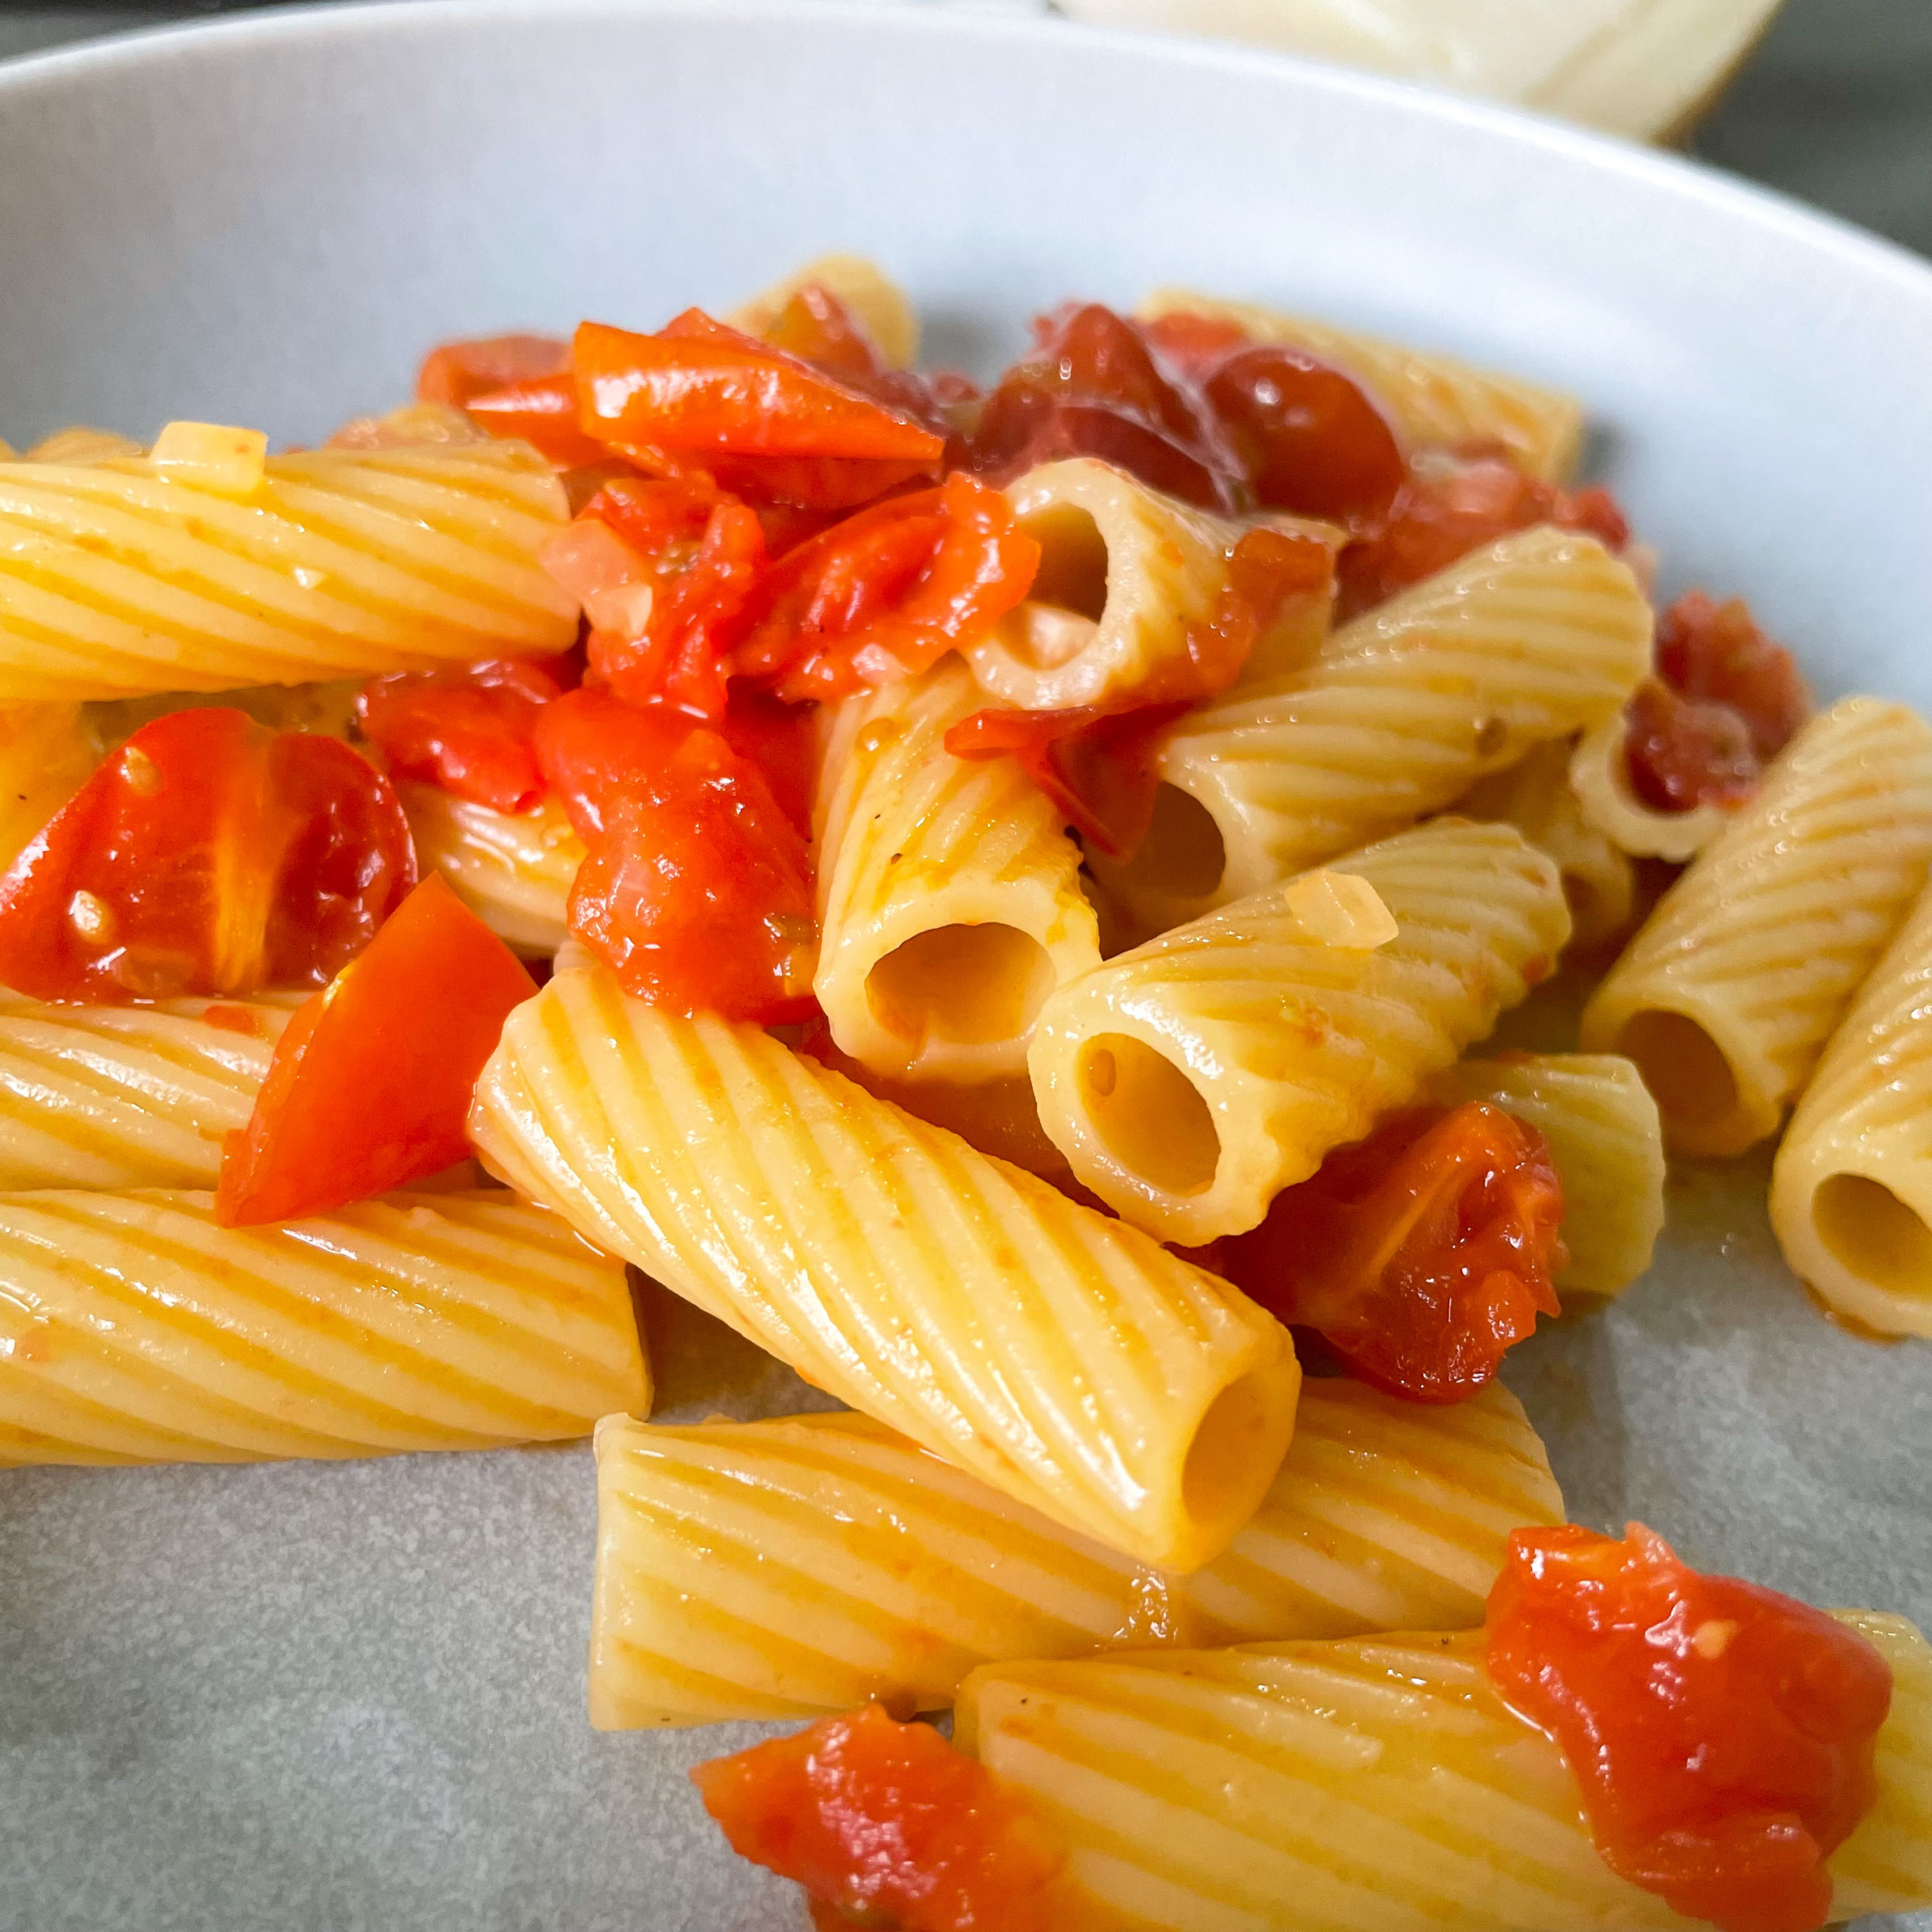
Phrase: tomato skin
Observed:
(468, 730)
(542, 410)
(1419, 1254)
(209, 855)
(456, 373)
(816, 326)
(886, 1824)
(370, 1084)
(1722, 1734)
(697, 891)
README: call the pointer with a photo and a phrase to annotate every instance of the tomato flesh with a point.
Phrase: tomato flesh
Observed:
(697, 891)
(209, 855)
(1421, 1254)
(468, 729)
(1722, 1734)
(541, 410)
(370, 1083)
(885, 1824)
(457, 373)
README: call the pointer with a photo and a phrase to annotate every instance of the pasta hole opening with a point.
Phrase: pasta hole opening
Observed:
(1183, 855)
(1868, 1229)
(1148, 1113)
(1073, 575)
(966, 986)
(1220, 1469)
(1683, 1066)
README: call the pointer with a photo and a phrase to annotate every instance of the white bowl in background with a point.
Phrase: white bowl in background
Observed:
(340, 1697)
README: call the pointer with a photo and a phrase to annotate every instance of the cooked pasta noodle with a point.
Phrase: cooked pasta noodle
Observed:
(1730, 988)
(1851, 1192)
(1600, 777)
(134, 1330)
(1607, 1138)
(881, 306)
(1190, 1080)
(328, 708)
(780, 1569)
(1431, 398)
(1125, 575)
(79, 443)
(1373, 1783)
(115, 1097)
(513, 869)
(1536, 636)
(47, 752)
(1062, 1357)
(949, 899)
(116, 580)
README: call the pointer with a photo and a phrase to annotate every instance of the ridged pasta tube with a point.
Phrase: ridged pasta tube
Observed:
(1608, 803)
(116, 1097)
(1430, 398)
(134, 1330)
(514, 870)
(115, 579)
(1851, 1192)
(1062, 1357)
(1536, 797)
(1536, 636)
(1378, 1784)
(1607, 1138)
(1125, 574)
(1189, 1081)
(784, 1569)
(949, 899)
(47, 754)
(881, 305)
(1732, 986)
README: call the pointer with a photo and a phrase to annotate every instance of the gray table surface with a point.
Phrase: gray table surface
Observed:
(1834, 107)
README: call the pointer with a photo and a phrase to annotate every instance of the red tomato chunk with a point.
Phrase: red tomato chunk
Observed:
(1419, 1255)
(886, 1824)
(467, 730)
(1722, 1734)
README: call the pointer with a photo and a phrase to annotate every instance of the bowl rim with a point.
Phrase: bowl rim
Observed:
(1852, 249)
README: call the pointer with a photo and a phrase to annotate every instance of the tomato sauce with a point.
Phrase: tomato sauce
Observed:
(1722, 1735)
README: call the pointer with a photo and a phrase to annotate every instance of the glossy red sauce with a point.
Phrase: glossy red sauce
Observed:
(1421, 1254)
(1721, 1735)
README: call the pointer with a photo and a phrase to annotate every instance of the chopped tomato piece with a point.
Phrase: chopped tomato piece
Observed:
(370, 1083)
(459, 372)
(816, 326)
(1421, 1253)
(1267, 569)
(887, 1824)
(1725, 701)
(543, 411)
(467, 729)
(782, 741)
(1194, 345)
(1722, 1735)
(697, 888)
(208, 855)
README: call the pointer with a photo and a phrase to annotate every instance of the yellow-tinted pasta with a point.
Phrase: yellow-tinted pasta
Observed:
(1375, 1784)
(513, 869)
(1607, 804)
(781, 1569)
(1534, 637)
(1607, 1139)
(327, 708)
(1060, 1355)
(116, 579)
(1730, 990)
(134, 1330)
(1536, 797)
(1431, 398)
(114, 1096)
(46, 755)
(949, 899)
(881, 306)
(1851, 1192)
(1125, 575)
(1189, 1080)
(80, 443)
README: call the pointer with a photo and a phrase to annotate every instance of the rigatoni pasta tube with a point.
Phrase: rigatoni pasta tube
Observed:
(1126, 574)
(1851, 1192)
(1430, 398)
(1607, 1138)
(135, 1330)
(1378, 1784)
(117, 1096)
(949, 899)
(1607, 802)
(1060, 1355)
(1534, 637)
(1732, 986)
(514, 870)
(118, 578)
(784, 1569)
(47, 753)
(1189, 1081)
